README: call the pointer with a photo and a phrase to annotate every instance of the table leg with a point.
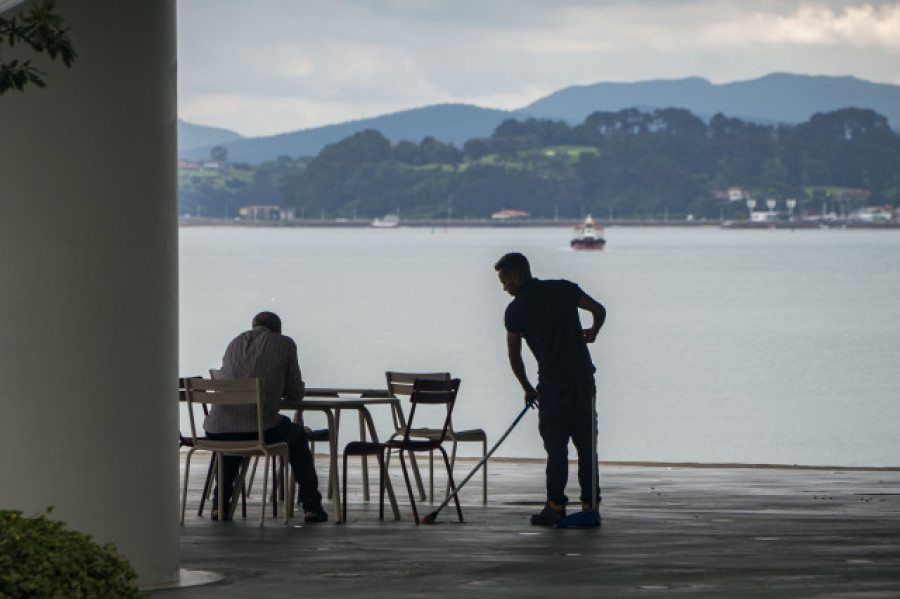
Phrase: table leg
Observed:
(365, 460)
(364, 414)
(334, 478)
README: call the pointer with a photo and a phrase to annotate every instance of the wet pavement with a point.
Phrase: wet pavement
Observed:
(667, 532)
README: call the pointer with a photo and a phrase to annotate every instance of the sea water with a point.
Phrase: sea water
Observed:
(721, 346)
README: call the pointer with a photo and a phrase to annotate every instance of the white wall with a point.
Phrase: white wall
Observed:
(88, 285)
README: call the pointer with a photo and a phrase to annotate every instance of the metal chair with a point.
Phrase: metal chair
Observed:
(189, 442)
(313, 436)
(400, 384)
(232, 392)
(425, 394)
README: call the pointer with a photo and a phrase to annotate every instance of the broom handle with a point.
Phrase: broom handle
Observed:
(530, 404)
(594, 465)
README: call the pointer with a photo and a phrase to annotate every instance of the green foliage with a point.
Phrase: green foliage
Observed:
(40, 558)
(665, 163)
(42, 31)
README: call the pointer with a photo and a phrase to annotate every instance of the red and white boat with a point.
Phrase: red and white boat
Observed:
(588, 236)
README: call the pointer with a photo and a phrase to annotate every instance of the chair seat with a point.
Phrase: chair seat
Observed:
(364, 448)
(414, 444)
(420, 432)
(240, 448)
(472, 434)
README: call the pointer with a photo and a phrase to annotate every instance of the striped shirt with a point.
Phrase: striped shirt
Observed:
(258, 353)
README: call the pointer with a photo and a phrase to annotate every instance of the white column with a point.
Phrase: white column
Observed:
(88, 285)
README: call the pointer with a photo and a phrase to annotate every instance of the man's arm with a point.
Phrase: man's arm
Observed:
(597, 311)
(294, 387)
(514, 349)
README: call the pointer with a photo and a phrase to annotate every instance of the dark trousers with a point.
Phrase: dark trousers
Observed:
(566, 411)
(300, 457)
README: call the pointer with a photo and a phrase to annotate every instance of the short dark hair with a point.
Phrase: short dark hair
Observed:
(269, 320)
(513, 262)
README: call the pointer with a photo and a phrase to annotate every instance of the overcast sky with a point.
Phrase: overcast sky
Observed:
(260, 67)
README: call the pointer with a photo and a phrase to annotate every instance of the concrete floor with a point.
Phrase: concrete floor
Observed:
(667, 531)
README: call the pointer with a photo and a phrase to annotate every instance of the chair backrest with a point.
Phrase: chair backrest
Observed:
(400, 384)
(435, 393)
(182, 397)
(231, 392)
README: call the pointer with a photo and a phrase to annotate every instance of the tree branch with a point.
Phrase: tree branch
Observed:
(43, 31)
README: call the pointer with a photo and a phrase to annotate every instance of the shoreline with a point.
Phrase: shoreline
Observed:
(651, 464)
(696, 465)
(532, 223)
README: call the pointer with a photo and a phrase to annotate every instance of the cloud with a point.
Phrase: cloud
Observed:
(815, 24)
(579, 29)
(294, 61)
(279, 65)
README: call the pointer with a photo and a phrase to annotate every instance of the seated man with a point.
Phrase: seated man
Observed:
(263, 352)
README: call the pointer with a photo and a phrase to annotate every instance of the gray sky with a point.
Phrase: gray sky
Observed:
(262, 67)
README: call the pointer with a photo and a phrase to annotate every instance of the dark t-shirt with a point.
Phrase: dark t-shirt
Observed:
(545, 314)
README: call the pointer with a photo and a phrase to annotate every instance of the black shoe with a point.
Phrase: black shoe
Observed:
(548, 516)
(315, 515)
(214, 515)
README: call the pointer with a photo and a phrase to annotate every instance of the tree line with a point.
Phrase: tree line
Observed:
(666, 163)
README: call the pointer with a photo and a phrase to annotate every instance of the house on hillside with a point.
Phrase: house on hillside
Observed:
(758, 216)
(874, 214)
(264, 212)
(732, 194)
(736, 194)
(187, 165)
(508, 214)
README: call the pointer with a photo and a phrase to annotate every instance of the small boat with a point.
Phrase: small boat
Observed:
(588, 236)
(388, 222)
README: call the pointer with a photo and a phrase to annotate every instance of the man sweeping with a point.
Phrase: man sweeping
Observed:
(545, 314)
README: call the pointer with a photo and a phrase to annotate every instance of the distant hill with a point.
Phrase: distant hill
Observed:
(449, 123)
(775, 98)
(191, 137)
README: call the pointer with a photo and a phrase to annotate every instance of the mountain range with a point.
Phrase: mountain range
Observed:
(776, 98)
